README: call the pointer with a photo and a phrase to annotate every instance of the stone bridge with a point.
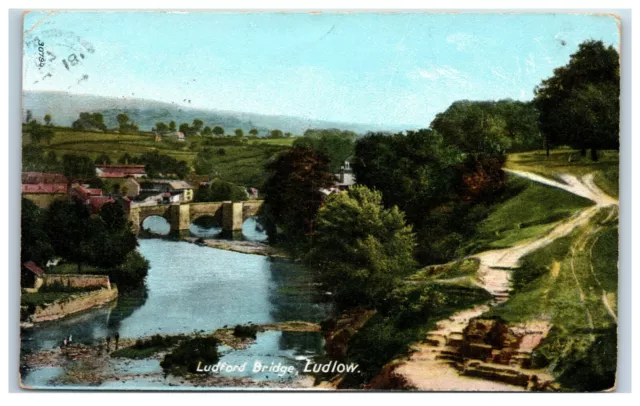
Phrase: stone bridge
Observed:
(230, 215)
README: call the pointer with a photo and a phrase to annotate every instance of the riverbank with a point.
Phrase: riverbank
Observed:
(93, 365)
(67, 305)
(244, 247)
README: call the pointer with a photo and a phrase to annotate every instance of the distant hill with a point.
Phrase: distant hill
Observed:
(65, 107)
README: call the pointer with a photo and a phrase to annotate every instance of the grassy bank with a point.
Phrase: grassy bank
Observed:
(531, 212)
(572, 284)
(606, 169)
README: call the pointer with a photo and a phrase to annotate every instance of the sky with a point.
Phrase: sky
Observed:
(384, 69)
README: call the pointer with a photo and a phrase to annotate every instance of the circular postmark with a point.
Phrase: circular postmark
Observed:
(55, 52)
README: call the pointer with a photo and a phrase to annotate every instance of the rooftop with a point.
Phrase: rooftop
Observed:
(49, 188)
(43, 177)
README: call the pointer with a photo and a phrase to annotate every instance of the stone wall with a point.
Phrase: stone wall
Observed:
(78, 281)
(74, 304)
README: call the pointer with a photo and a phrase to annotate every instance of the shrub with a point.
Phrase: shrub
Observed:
(189, 353)
(246, 331)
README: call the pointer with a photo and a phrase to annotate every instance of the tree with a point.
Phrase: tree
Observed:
(172, 126)
(67, 227)
(28, 117)
(217, 130)
(103, 159)
(161, 127)
(253, 132)
(361, 249)
(337, 145)
(219, 191)
(197, 125)
(580, 104)
(293, 193)
(184, 128)
(124, 125)
(238, 132)
(207, 131)
(276, 134)
(489, 127)
(89, 122)
(77, 167)
(35, 245)
(47, 120)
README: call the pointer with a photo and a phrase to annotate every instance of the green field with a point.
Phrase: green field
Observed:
(242, 161)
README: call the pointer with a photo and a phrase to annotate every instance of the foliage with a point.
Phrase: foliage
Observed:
(292, 193)
(89, 122)
(245, 331)
(35, 245)
(219, 190)
(579, 105)
(335, 144)
(144, 348)
(217, 130)
(489, 127)
(189, 353)
(125, 125)
(103, 159)
(156, 164)
(38, 132)
(77, 167)
(276, 134)
(359, 248)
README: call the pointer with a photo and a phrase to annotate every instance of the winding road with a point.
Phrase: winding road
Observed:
(430, 367)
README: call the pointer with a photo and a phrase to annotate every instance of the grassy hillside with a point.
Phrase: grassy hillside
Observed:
(533, 211)
(241, 162)
(606, 169)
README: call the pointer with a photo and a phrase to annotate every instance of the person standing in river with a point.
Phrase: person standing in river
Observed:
(117, 337)
(108, 342)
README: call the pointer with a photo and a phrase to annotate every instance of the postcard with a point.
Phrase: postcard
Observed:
(319, 201)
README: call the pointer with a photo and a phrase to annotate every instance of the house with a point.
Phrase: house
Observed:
(120, 171)
(180, 136)
(180, 187)
(345, 177)
(130, 187)
(83, 193)
(252, 193)
(44, 188)
(31, 277)
(158, 137)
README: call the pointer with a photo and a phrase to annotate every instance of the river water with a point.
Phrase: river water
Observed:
(194, 288)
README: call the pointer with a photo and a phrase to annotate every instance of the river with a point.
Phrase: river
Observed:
(194, 288)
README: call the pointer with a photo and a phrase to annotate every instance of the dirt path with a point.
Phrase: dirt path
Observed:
(434, 364)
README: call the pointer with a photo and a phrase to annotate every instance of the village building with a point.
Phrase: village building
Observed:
(131, 188)
(44, 188)
(179, 188)
(120, 171)
(31, 277)
(345, 178)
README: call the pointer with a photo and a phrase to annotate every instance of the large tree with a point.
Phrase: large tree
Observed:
(361, 249)
(77, 167)
(35, 245)
(334, 143)
(293, 193)
(580, 104)
(489, 127)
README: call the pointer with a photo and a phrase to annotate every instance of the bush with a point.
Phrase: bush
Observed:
(131, 273)
(246, 331)
(189, 353)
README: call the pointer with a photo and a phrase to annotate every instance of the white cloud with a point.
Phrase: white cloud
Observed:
(462, 40)
(441, 72)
